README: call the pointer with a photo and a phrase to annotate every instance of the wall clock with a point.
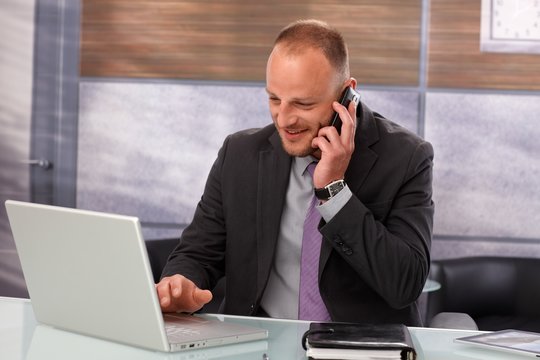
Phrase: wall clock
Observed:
(510, 26)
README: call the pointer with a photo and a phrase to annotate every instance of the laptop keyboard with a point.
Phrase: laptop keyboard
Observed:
(175, 327)
(177, 332)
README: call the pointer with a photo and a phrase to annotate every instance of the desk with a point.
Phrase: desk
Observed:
(22, 338)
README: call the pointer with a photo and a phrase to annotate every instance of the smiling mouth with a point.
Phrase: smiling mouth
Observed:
(294, 131)
(294, 134)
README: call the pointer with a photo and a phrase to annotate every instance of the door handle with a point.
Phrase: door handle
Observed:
(42, 163)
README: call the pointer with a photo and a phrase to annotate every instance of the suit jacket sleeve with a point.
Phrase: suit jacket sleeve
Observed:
(384, 231)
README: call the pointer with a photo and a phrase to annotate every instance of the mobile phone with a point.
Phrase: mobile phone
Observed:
(348, 95)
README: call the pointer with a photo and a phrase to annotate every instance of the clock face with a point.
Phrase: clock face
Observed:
(515, 19)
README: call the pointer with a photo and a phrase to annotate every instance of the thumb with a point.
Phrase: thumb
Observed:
(202, 296)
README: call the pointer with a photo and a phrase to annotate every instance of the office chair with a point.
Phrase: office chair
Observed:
(495, 292)
(158, 253)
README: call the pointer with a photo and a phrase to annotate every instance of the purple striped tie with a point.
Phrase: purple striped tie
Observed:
(311, 306)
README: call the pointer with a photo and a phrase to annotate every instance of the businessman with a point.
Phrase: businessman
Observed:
(360, 253)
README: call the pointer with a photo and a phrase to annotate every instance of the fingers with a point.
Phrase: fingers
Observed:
(328, 136)
(165, 296)
(348, 117)
(336, 149)
(179, 294)
(350, 129)
(202, 296)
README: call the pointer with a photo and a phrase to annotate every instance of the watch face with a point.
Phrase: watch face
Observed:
(515, 19)
(330, 190)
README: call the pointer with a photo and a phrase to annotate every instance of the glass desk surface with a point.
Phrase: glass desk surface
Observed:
(21, 337)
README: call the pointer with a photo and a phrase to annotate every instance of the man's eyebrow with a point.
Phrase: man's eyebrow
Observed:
(308, 99)
(271, 94)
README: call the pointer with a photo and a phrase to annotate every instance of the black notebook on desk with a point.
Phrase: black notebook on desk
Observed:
(350, 341)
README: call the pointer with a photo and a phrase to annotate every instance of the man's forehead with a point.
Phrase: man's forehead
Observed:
(299, 76)
(294, 94)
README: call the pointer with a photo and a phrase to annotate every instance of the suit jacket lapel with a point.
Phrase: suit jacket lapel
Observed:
(273, 178)
(363, 158)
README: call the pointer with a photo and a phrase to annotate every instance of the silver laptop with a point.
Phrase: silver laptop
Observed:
(88, 272)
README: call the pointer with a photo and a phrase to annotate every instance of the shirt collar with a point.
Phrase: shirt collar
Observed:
(300, 164)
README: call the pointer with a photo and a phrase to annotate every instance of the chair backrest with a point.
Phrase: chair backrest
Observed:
(494, 287)
(158, 253)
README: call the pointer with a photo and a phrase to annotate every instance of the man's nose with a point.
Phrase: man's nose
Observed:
(286, 115)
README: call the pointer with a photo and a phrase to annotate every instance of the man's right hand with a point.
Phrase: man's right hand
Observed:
(179, 294)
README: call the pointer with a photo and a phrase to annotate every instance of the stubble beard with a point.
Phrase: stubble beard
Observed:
(298, 149)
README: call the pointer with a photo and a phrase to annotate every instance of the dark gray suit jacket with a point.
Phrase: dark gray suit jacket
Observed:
(375, 252)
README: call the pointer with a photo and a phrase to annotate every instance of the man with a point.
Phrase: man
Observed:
(376, 231)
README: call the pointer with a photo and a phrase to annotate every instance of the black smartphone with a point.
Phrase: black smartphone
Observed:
(348, 95)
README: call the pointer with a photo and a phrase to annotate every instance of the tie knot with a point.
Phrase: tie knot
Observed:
(311, 168)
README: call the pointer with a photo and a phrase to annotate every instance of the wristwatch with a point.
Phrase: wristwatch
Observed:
(330, 190)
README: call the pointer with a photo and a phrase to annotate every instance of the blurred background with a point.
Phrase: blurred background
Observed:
(121, 105)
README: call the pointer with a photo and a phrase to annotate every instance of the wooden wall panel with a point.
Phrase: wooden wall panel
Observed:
(231, 40)
(455, 59)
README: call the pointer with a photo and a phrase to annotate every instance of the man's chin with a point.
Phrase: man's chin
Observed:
(298, 151)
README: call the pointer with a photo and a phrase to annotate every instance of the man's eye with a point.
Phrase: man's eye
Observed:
(305, 105)
(274, 100)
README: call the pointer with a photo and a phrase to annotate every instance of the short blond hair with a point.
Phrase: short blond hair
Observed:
(315, 34)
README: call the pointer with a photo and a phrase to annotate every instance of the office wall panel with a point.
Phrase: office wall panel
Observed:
(486, 164)
(231, 40)
(455, 59)
(151, 158)
(398, 106)
(16, 69)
